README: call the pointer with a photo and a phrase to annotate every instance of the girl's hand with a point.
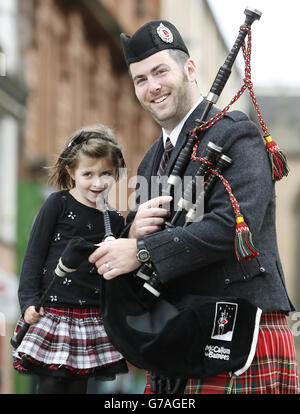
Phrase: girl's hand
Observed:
(31, 315)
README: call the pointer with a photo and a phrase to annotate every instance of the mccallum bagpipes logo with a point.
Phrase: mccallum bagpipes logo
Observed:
(224, 323)
(217, 352)
(295, 325)
(223, 328)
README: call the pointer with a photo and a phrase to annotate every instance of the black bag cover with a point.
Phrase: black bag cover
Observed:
(188, 336)
(185, 336)
(76, 251)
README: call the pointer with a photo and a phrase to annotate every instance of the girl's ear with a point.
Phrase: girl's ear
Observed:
(70, 172)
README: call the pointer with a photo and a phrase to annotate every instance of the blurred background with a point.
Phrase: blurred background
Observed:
(61, 67)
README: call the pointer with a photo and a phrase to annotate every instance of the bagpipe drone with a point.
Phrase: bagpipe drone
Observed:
(173, 336)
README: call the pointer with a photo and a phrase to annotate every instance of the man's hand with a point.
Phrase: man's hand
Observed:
(149, 217)
(118, 257)
(115, 258)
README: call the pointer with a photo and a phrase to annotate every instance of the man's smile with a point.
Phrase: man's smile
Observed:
(160, 99)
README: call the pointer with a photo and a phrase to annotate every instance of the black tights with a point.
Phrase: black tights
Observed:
(52, 385)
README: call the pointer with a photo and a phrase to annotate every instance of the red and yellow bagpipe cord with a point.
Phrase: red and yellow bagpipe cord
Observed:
(243, 243)
(277, 157)
(244, 247)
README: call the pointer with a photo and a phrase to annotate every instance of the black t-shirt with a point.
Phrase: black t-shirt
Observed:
(60, 219)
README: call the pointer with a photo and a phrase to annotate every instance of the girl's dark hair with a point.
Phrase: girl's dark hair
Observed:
(95, 141)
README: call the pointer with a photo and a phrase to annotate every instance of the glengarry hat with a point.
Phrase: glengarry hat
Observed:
(151, 38)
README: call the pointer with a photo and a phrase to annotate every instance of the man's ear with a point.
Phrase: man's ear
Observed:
(191, 70)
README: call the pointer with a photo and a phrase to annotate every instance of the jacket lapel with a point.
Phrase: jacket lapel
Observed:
(157, 154)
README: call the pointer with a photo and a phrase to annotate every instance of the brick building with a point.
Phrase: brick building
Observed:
(76, 75)
(70, 62)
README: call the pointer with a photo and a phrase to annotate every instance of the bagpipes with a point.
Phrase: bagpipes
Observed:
(175, 336)
(215, 162)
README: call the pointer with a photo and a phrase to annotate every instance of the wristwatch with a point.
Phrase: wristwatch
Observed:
(142, 255)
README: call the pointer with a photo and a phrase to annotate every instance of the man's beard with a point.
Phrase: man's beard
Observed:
(182, 105)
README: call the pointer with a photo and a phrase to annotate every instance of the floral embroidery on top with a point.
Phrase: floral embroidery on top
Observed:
(67, 281)
(72, 215)
(53, 298)
(57, 237)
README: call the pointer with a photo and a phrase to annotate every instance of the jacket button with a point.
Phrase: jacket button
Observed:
(176, 239)
(227, 281)
(262, 269)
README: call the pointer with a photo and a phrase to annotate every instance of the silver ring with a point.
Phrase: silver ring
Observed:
(107, 266)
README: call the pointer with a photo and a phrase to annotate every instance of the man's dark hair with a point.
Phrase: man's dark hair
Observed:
(178, 56)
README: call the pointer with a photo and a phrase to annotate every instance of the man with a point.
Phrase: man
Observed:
(201, 258)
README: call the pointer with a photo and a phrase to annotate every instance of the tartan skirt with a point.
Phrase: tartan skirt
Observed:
(66, 342)
(273, 370)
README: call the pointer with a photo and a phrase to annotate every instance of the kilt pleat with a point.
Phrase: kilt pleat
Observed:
(274, 369)
(65, 337)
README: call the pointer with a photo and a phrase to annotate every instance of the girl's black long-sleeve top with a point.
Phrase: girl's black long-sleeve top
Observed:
(60, 219)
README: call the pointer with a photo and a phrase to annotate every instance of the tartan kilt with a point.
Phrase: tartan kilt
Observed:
(67, 341)
(273, 370)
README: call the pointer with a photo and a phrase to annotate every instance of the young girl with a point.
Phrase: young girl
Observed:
(66, 342)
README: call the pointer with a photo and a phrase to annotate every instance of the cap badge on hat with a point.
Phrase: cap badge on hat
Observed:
(164, 33)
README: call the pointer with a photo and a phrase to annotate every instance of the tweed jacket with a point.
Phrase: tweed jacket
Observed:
(200, 258)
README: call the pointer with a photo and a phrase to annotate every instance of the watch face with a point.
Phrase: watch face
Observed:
(143, 255)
